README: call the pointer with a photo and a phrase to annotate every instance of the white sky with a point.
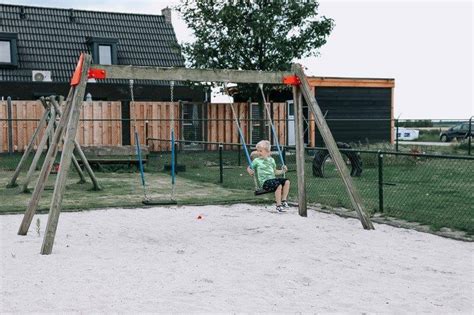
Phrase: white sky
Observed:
(426, 46)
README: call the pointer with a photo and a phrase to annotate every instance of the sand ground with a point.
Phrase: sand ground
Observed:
(238, 258)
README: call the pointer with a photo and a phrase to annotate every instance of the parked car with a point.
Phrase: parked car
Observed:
(460, 131)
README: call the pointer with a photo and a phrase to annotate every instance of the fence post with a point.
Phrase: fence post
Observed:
(380, 166)
(239, 158)
(283, 154)
(221, 166)
(10, 125)
(469, 137)
(146, 132)
(396, 135)
(176, 148)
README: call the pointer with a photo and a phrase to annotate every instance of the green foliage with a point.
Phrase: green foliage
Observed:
(253, 35)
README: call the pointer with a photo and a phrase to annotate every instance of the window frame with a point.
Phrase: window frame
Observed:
(95, 42)
(13, 39)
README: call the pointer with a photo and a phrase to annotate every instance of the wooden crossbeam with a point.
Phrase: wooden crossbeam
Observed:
(196, 75)
(336, 156)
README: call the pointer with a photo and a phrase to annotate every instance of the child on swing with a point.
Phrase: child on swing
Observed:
(265, 166)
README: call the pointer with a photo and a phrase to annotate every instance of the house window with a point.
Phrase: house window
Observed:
(103, 50)
(5, 53)
(8, 50)
(105, 54)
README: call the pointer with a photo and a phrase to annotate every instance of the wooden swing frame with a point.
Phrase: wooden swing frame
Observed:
(70, 119)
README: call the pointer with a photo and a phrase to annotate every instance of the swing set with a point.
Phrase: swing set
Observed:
(146, 199)
(69, 121)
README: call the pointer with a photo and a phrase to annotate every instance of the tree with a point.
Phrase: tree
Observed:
(253, 34)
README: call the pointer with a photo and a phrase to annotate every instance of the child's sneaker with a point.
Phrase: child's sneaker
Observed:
(284, 204)
(280, 209)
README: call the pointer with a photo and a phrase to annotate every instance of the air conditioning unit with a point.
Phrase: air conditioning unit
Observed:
(41, 76)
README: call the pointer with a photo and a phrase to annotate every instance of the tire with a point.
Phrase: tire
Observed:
(321, 156)
(444, 138)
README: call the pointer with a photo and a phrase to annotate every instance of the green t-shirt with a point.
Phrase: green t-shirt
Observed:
(265, 168)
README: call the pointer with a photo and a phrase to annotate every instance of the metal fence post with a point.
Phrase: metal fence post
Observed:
(380, 167)
(396, 135)
(146, 132)
(239, 158)
(221, 166)
(176, 148)
(469, 137)
(10, 125)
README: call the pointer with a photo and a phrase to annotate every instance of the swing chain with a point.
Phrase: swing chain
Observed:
(131, 91)
(172, 91)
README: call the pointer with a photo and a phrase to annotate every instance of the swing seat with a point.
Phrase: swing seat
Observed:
(259, 192)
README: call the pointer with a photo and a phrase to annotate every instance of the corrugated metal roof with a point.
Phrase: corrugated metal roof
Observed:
(51, 39)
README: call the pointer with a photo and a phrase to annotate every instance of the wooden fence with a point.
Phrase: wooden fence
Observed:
(101, 123)
(157, 115)
(222, 128)
(25, 115)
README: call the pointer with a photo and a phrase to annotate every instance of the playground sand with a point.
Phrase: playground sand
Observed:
(238, 258)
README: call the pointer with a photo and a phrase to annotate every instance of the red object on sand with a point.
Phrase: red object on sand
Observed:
(199, 217)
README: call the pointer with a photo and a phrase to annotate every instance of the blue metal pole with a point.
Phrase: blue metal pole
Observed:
(140, 162)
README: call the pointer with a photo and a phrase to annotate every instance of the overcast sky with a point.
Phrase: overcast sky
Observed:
(426, 46)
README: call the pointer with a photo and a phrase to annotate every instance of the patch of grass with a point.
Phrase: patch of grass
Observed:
(121, 189)
(434, 192)
(429, 135)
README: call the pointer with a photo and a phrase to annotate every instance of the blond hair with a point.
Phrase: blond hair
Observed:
(264, 144)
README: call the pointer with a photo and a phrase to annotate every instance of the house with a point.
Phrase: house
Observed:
(39, 48)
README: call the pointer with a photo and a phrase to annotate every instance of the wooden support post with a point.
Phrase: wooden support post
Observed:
(45, 170)
(39, 150)
(66, 155)
(10, 125)
(336, 156)
(77, 167)
(28, 150)
(81, 154)
(299, 132)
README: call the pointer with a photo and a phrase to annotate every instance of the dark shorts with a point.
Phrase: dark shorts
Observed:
(272, 184)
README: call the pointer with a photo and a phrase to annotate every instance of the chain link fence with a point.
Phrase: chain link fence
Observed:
(431, 185)
(433, 190)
